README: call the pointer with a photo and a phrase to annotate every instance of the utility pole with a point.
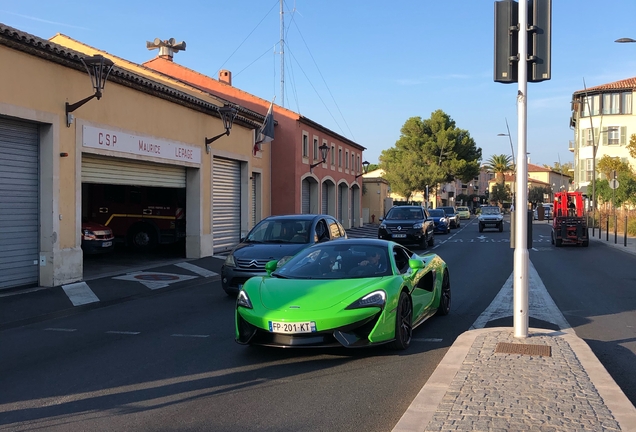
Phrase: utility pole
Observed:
(282, 55)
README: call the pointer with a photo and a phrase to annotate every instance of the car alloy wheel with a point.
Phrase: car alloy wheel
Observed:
(445, 296)
(403, 323)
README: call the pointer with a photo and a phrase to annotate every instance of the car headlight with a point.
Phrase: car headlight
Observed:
(243, 300)
(374, 299)
(229, 261)
(382, 226)
(89, 235)
(284, 260)
(417, 226)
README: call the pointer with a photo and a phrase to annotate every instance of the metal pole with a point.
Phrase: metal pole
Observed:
(282, 54)
(625, 233)
(521, 255)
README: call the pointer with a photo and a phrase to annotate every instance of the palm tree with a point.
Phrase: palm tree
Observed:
(500, 165)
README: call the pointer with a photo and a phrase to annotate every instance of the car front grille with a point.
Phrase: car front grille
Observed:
(252, 264)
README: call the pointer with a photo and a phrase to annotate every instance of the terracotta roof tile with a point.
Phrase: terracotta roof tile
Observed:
(625, 84)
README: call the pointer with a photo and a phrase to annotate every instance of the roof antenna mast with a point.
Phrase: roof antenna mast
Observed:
(282, 55)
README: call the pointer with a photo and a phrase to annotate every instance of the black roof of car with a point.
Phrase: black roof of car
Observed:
(297, 217)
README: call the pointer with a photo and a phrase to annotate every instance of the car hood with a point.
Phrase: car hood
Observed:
(312, 295)
(94, 226)
(402, 222)
(272, 251)
(491, 216)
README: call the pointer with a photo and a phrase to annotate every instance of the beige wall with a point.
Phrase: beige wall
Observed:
(35, 89)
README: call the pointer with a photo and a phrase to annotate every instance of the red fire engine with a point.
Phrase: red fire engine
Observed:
(569, 223)
(142, 217)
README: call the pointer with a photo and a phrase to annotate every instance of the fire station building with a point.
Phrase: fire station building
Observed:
(62, 141)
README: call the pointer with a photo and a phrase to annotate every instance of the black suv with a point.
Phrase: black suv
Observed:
(408, 224)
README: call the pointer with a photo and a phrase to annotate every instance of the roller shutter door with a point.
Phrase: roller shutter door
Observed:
(109, 170)
(325, 198)
(305, 204)
(19, 204)
(226, 204)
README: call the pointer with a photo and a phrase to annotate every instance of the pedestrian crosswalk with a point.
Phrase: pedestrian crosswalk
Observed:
(365, 231)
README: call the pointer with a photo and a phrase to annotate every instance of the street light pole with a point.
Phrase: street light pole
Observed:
(513, 162)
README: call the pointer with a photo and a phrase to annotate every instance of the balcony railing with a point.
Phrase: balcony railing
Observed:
(571, 146)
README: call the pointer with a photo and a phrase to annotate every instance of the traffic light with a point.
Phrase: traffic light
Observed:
(506, 37)
(539, 40)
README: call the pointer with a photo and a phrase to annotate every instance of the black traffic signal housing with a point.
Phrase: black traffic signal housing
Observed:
(507, 36)
(506, 41)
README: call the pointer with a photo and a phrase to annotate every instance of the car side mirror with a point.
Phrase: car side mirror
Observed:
(416, 264)
(381, 219)
(271, 266)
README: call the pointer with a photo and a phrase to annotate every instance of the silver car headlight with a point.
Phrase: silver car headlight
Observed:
(417, 226)
(229, 261)
(374, 299)
(382, 226)
(243, 300)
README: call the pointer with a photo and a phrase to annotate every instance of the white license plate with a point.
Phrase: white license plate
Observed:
(107, 244)
(293, 327)
(399, 235)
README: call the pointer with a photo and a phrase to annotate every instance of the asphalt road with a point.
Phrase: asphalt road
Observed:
(169, 362)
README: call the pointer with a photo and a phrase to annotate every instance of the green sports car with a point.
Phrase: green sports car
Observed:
(351, 293)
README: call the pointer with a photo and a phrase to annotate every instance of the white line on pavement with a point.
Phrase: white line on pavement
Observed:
(196, 269)
(60, 329)
(540, 304)
(122, 332)
(190, 335)
(79, 293)
(427, 339)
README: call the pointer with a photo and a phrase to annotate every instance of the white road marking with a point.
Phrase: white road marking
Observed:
(196, 269)
(190, 335)
(540, 304)
(60, 329)
(427, 339)
(155, 280)
(79, 293)
(122, 332)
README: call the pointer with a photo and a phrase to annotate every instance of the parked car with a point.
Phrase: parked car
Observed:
(97, 238)
(350, 293)
(490, 217)
(275, 238)
(452, 216)
(463, 212)
(547, 211)
(408, 224)
(442, 224)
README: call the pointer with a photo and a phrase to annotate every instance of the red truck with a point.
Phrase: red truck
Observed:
(140, 216)
(569, 223)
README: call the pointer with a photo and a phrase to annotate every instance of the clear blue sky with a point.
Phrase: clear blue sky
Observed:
(362, 68)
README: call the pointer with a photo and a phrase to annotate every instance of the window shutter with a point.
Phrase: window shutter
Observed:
(623, 135)
(583, 137)
(604, 136)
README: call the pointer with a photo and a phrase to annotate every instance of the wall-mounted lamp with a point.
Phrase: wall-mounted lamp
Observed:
(98, 68)
(324, 150)
(227, 114)
(365, 168)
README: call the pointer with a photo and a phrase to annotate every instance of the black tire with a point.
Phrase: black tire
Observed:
(403, 323)
(431, 240)
(481, 228)
(501, 227)
(558, 242)
(445, 296)
(142, 237)
(552, 238)
(423, 241)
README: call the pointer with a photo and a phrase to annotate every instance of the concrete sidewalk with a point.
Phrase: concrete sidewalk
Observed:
(491, 381)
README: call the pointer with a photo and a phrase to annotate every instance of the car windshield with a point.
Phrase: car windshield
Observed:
(337, 260)
(405, 214)
(280, 231)
(436, 213)
(448, 210)
(490, 210)
(465, 209)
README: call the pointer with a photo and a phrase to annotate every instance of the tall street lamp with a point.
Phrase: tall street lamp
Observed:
(512, 150)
